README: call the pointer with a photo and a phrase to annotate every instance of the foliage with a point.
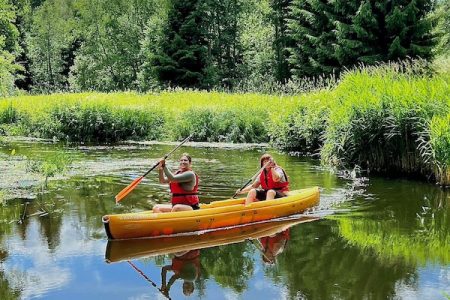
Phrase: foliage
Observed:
(330, 36)
(111, 55)
(379, 120)
(442, 28)
(51, 32)
(182, 59)
(49, 166)
(391, 118)
(311, 32)
(9, 48)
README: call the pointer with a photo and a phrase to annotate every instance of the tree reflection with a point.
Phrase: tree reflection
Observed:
(327, 267)
(231, 265)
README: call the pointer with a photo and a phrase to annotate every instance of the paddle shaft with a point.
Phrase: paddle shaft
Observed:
(135, 182)
(168, 154)
(251, 179)
(147, 278)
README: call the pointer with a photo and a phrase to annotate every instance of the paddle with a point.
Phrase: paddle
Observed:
(251, 179)
(148, 279)
(135, 182)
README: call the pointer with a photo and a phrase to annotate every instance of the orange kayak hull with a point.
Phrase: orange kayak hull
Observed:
(217, 214)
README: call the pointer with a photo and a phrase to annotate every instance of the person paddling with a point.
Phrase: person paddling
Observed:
(272, 183)
(183, 186)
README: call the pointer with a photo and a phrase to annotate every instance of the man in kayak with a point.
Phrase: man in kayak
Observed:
(183, 186)
(272, 183)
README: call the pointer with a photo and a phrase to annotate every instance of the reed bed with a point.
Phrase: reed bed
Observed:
(390, 118)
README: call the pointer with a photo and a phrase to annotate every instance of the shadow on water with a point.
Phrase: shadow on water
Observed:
(389, 239)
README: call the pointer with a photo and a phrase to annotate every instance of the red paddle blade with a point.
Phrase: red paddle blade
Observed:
(128, 189)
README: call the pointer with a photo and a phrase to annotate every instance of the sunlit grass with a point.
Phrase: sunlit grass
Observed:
(390, 118)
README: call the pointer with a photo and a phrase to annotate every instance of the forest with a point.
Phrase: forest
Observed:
(227, 45)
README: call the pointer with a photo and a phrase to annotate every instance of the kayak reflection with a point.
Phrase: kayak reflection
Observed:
(117, 251)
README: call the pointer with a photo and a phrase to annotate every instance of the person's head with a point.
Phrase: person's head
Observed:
(185, 161)
(265, 158)
(188, 288)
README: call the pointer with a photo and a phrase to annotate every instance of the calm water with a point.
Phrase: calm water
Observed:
(376, 239)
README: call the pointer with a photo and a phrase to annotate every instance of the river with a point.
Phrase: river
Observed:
(369, 238)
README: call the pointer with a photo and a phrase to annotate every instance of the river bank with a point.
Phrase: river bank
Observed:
(378, 119)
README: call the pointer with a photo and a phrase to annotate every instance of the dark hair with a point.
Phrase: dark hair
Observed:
(188, 156)
(264, 157)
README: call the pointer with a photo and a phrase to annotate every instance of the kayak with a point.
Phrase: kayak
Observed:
(217, 214)
(123, 250)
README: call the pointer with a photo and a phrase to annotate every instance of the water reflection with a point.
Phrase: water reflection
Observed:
(273, 245)
(392, 241)
(185, 266)
(230, 266)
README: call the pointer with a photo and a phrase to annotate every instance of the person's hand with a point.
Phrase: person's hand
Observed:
(239, 191)
(162, 163)
(164, 290)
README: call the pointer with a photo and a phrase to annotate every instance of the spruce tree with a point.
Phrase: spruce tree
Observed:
(357, 30)
(408, 29)
(182, 59)
(311, 30)
(280, 11)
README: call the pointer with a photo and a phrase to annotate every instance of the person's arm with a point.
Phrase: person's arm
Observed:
(183, 177)
(254, 185)
(161, 165)
(277, 174)
(171, 281)
(164, 276)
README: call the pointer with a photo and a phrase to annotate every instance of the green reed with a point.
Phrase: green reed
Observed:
(389, 118)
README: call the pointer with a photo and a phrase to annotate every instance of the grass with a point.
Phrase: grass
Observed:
(391, 118)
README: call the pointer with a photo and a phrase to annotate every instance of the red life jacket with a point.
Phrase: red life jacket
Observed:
(275, 244)
(267, 182)
(186, 263)
(180, 196)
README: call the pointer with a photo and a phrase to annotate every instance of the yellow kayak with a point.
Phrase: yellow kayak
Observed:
(117, 251)
(217, 214)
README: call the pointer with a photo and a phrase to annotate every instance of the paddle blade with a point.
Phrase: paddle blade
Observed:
(128, 189)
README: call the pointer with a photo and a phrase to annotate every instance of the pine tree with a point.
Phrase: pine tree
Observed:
(282, 40)
(183, 57)
(357, 31)
(408, 28)
(311, 30)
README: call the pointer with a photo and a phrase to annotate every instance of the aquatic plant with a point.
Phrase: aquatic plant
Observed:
(50, 165)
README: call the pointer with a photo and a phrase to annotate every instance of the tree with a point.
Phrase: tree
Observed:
(357, 31)
(51, 32)
(311, 30)
(110, 54)
(280, 11)
(442, 30)
(331, 35)
(408, 29)
(255, 37)
(9, 48)
(183, 56)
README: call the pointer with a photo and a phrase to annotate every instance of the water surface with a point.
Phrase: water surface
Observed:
(379, 239)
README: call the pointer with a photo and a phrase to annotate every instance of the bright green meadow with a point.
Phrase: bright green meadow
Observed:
(379, 118)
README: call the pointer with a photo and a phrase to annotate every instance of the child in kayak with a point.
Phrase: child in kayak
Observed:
(183, 186)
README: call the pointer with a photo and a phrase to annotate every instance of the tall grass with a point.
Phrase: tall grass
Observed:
(390, 118)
